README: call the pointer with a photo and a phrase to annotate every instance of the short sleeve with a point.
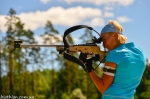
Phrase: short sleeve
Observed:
(113, 56)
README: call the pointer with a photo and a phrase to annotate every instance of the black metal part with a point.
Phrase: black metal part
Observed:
(16, 45)
(96, 57)
(95, 40)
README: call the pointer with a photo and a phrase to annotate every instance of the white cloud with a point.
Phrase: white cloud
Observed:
(2, 23)
(108, 8)
(45, 1)
(102, 2)
(39, 39)
(58, 16)
(96, 22)
(65, 17)
(123, 19)
(108, 14)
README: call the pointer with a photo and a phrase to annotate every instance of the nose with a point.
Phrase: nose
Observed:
(105, 46)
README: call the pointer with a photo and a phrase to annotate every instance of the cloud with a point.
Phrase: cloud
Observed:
(108, 8)
(45, 1)
(96, 22)
(108, 14)
(64, 17)
(59, 16)
(2, 23)
(39, 39)
(102, 2)
(123, 19)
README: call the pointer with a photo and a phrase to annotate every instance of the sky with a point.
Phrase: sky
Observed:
(133, 15)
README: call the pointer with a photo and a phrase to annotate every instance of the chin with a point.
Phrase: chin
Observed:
(109, 49)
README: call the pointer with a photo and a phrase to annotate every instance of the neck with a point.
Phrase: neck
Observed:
(117, 44)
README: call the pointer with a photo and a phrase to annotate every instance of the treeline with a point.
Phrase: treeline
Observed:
(21, 72)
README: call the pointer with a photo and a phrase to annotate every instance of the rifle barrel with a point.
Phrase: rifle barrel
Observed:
(44, 45)
(35, 45)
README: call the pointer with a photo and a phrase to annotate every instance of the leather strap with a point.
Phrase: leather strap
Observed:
(109, 70)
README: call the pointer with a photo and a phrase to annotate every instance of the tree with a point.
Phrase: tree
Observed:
(18, 60)
(87, 36)
(50, 37)
(143, 90)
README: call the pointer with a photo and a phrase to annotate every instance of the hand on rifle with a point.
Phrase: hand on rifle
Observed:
(88, 62)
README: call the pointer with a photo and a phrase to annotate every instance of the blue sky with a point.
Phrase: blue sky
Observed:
(133, 15)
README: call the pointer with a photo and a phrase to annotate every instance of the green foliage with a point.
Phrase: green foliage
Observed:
(65, 96)
(143, 90)
(77, 94)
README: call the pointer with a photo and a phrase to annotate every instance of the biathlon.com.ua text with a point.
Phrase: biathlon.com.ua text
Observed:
(15, 97)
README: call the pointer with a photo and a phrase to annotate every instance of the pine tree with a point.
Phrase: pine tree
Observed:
(50, 37)
(20, 58)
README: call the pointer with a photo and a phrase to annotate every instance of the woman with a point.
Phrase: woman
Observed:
(124, 65)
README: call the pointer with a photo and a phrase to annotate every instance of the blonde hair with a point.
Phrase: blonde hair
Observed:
(116, 24)
(122, 39)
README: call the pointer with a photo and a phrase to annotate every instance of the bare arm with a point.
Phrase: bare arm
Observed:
(103, 83)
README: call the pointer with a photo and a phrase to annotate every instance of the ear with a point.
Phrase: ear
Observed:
(115, 35)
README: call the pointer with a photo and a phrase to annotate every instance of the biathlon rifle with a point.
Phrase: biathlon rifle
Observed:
(92, 49)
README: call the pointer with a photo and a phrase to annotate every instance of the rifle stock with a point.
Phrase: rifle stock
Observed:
(84, 48)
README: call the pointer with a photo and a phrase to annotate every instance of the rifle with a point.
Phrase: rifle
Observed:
(92, 49)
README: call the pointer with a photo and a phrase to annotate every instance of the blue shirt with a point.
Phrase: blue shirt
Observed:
(131, 64)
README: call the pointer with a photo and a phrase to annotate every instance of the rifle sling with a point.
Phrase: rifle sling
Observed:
(74, 59)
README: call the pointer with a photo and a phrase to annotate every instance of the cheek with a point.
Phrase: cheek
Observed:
(108, 42)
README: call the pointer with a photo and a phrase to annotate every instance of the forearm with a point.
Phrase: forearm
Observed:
(97, 81)
(101, 83)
